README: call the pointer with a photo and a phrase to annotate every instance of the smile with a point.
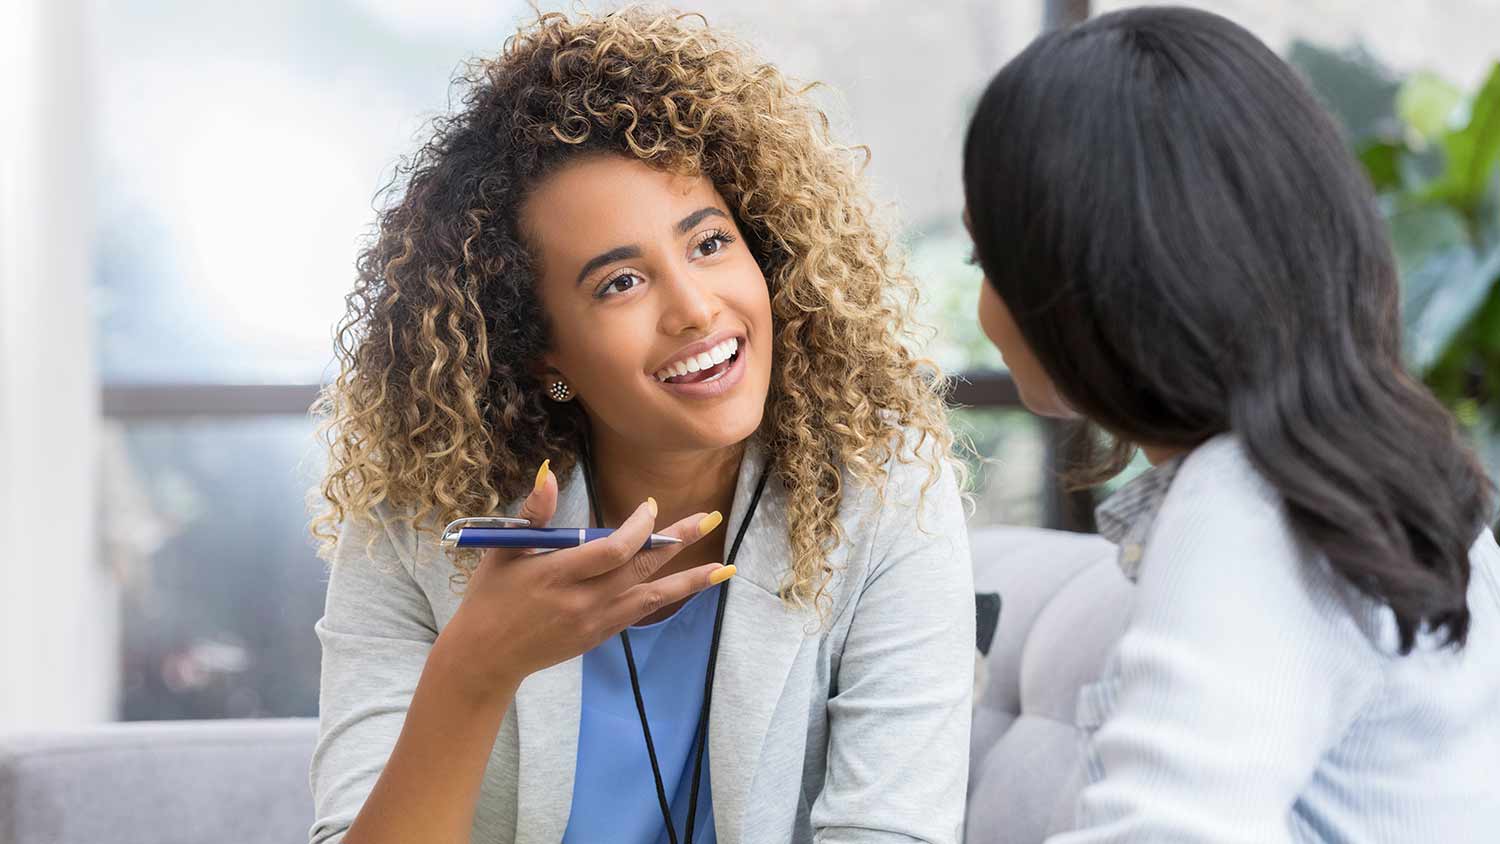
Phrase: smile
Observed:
(706, 374)
(703, 367)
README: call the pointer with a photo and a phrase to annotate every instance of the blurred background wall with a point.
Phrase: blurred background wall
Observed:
(185, 185)
(59, 618)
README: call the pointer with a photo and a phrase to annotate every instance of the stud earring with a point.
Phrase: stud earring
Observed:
(560, 391)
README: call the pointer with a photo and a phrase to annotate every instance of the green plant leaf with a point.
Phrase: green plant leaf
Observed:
(1444, 278)
(1469, 369)
(1421, 234)
(1352, 84)
(1464, 279)
(1382, 161)
(1472, 150)
(1486, 212)
(1425, 102)
(1485, 340)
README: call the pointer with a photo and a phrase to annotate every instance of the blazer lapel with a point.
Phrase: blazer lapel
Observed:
(548, 709)
(758, 644)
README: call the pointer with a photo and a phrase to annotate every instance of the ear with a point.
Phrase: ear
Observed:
(555, 385)
(543, 370)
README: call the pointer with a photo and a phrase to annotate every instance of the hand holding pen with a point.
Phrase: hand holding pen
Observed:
(522, 612)
(504, 532)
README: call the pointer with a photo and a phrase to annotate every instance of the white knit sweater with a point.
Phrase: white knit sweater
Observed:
(1256, 697)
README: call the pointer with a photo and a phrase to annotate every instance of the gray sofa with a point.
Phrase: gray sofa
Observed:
(1064, 605)
(178, 782)
(245, 782)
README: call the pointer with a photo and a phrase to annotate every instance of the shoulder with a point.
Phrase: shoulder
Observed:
(916, 462)
(383, 539)
(915, 516)
(1222, 547)
(399, 532)
(918, 479)
(372, 586)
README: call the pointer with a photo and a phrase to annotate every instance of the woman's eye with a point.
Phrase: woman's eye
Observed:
(619, 284)
(713, 244)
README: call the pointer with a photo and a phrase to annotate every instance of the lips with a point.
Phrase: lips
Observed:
(716, 381)
(703, 365)
(706, 375)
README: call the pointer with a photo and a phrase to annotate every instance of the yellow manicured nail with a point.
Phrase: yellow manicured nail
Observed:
(541, 476)
(721, 575)
(709, 522)
(651, 502)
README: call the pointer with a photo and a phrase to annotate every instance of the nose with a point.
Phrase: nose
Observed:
(690, 304)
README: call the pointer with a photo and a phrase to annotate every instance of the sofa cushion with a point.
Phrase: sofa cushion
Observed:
(236, 782)
(1065, 604)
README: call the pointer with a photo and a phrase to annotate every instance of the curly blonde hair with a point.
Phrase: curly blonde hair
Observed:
(436, 412)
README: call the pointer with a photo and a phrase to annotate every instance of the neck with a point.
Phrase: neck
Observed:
(683, 482)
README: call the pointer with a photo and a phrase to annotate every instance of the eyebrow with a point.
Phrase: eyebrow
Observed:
(697, 217)
(621, 253)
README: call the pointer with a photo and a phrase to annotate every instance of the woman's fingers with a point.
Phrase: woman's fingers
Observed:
(641, 600)
(644, 564)
(602, 556)
(538, 508)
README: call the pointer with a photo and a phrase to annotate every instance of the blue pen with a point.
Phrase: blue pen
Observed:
(496, 532)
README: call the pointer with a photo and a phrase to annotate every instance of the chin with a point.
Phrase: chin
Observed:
(729, 428)
(677, 422)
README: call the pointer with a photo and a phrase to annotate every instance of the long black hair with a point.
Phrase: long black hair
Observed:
(1188, 248)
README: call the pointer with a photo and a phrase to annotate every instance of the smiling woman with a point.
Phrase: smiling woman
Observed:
(663, 326)
(452, 280)
(633, 282)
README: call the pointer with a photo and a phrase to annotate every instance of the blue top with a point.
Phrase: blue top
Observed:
(614, 794)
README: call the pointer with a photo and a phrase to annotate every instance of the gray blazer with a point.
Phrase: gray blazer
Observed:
(855, 730)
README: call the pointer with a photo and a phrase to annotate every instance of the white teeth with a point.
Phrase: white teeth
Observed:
(713, 357)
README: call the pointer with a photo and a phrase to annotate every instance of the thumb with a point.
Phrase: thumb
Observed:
(538, 508)
(541, 504)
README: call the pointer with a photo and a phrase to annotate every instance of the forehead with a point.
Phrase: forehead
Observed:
(604, 201)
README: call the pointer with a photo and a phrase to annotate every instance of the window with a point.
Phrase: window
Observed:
(238, 151)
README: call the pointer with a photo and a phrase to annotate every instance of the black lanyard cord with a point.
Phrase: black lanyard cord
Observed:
(640, 707)
(700, 737)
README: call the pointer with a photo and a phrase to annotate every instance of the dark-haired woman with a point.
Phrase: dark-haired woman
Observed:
(1178, 248)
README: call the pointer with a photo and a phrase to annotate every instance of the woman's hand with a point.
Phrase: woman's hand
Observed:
(524, 611)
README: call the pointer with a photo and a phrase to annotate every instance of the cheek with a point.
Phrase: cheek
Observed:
(1037, 391)
(750, 297)
(995, 319)
(596, 354)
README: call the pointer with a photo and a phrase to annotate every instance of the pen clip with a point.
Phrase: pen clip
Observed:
(455, 527)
